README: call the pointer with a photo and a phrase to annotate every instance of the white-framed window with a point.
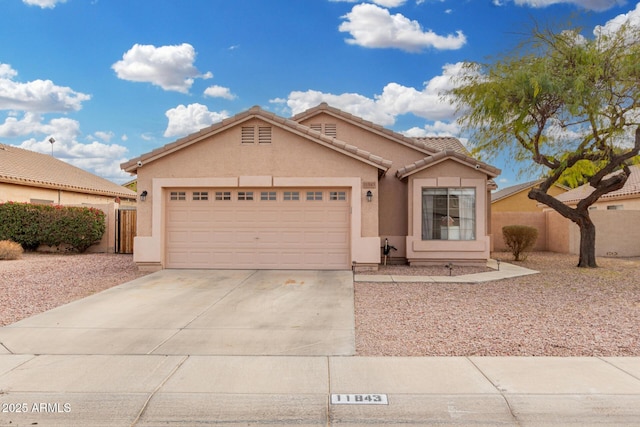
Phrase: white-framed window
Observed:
(314, 195)
(245, 195)
(178, 195)
(337, 195)
(448, 214)
(223, 195)
(200, 195)
(615, 207)
(267, 195)
(291, 195)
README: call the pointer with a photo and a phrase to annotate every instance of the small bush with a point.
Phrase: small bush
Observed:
(520, 239)
(10, 250)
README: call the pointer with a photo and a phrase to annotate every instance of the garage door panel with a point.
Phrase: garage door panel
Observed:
(272, 234)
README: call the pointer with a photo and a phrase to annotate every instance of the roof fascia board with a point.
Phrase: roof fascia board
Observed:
(450, 156)
(54, 186)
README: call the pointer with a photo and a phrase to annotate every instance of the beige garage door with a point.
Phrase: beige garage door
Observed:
(258, 228)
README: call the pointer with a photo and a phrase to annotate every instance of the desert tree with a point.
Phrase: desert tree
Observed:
(564, 103)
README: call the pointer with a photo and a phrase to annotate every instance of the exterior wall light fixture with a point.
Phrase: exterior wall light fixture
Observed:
(143, 196)
(369, 196)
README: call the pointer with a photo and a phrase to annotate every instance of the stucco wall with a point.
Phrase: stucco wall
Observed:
(617, 233)
(532, 219)
(392, 192)
(222, 160)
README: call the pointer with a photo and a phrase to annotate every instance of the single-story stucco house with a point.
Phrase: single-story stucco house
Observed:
(30, 177)
(322, 190)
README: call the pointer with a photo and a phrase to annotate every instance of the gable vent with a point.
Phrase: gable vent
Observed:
(330, 129)
(248, 135)
(264, 135)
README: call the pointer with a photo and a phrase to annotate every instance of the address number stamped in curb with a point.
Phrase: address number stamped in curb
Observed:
(359, 399)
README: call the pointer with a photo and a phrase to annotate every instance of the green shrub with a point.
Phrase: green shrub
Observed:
(52, 225)
(10, 250)
(519, 238)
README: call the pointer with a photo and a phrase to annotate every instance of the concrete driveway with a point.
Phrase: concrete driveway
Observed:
(200, 312)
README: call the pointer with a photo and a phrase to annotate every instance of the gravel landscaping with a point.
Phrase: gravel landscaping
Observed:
(563, 311)
(39, 281)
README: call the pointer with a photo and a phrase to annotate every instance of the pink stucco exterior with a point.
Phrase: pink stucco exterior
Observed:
(357, 157)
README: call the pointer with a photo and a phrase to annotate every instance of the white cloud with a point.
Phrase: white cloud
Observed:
(597, 5)
(394, 100)
(170, 67)
(216, 91)
(374, 27)
(438, 128)
(44, 4)
(632, 18)
(38, 96)
(96, 157)
(353, 103)
(104, 136)
(184, 120)
(385, 3)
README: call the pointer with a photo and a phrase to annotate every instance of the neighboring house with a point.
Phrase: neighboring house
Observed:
(627, 198)
(516, 198)
(616, 216)
(322, 190)
(27, 176)
(131, 185)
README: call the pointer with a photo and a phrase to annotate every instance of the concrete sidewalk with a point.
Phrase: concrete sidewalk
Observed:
(501, 270)
(152, 390)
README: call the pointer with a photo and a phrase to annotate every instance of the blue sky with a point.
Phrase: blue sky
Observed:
(112, 79)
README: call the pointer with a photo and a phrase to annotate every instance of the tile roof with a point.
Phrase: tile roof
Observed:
(20, 166)
(420, 144)
(631, 188)
(443, 155)
(514, 189)
(293, 126)
(441, 143)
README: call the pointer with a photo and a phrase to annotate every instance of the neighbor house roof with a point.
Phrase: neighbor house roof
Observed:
(256, 112)
(631, 189)
(442, 156)
(514, 189)
(25, 167)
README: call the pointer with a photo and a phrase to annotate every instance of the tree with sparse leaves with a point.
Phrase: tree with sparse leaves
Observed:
(569, 104)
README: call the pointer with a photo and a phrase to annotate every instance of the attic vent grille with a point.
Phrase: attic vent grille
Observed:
(329, 129)
(248, 134)
(264, 135)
